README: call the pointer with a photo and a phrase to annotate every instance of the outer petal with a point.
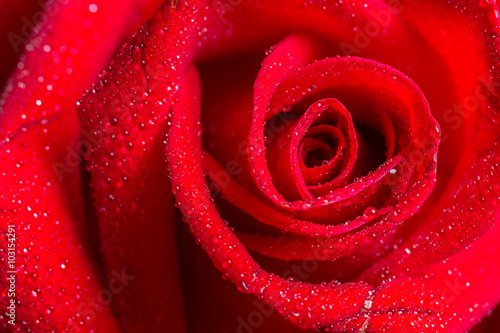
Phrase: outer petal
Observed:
(127, 113)
(57, 280)
(449, 297)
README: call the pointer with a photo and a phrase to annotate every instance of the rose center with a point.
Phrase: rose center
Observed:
(321, 144)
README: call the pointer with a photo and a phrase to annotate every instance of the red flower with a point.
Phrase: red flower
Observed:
(309, 173)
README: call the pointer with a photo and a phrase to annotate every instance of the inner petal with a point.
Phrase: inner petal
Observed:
(323, 145)
(323, 148)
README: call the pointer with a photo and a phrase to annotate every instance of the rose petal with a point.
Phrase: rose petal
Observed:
(228, 254)
(128, 110)
(39, 139)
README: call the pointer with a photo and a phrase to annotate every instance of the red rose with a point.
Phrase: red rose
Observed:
(309, 173)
